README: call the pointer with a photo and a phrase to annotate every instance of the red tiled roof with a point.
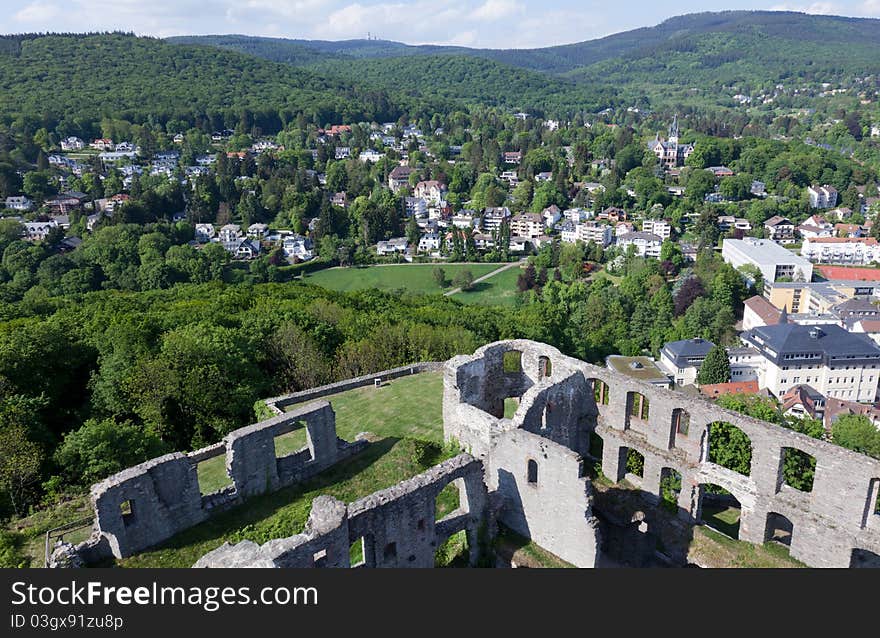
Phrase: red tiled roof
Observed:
(712, 390)
(849, 273)
(768, 313)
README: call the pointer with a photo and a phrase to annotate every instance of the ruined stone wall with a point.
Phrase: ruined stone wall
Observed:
(278, 404)
(396, 526)
(151, 502)
(545, 495)
(835, 518)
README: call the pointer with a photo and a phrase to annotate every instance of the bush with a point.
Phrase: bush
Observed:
(10, 551)
(425, 453)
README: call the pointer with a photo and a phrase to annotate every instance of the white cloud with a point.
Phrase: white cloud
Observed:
(817, 8)
(37, 12)
(871, 7)
(494, 10)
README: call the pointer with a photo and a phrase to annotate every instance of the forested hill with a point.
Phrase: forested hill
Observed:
(466, 80)
(732, 46)
(80, 78)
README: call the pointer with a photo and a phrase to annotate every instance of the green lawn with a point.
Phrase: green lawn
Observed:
(417, 278)
(498, 290)
(723, 518)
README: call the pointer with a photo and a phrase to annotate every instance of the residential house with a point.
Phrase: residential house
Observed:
(37, 231)
(429, 242)
(527, 225)
(370, 155)
(204, 233)
(229, 233)
(824, 196)
(842, 250)
(850, 230)
(431, 190)
(65, 202)
(841, 213)
(510, 177)
(342, 152)
(513, 157)
(780, 229)
(19, 203)
(464, 219)
(416, 207)
(544, 176)
(339, 199)
(72, 144)
(242, 248)
(395, 246)
(399, 177)
(258, 231)
(103, 144)
(623, 228)
(646, 244)
(568, 232)
(551, 215)
(297, 247)
(659, 227)
(681, 360)
(519, 244)
(815, 226)
(493, 217)
(720, 171)
(613, 214)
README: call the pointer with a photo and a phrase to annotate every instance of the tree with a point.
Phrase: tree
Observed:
(101, 448)
(20, 460)
(464, 280)
(856, 432)
(715, 367)
(440, 277)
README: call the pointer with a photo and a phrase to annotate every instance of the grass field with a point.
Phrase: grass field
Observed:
(498, 290)
(417, 278)
(396, 413)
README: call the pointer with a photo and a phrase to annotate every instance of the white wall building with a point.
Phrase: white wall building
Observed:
(646, 244)
(841, 250)
(770, 258)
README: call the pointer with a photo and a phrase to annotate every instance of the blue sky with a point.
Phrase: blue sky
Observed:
(480, 23)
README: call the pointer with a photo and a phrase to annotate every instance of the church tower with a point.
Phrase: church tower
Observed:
(673, 130)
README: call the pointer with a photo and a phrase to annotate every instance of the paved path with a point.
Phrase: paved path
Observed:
(486, 276)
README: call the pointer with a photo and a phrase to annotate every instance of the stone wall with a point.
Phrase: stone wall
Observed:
(396, 526)
(829, 523)
(278, 404)
(151, 502)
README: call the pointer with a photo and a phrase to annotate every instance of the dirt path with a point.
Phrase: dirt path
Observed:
(486, 276)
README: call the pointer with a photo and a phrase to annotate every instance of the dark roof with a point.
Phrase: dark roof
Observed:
(828, 340)
(683, 353)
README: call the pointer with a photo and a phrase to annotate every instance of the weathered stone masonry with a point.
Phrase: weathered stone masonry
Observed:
(833, 525)
(526, 471)
(151, 502)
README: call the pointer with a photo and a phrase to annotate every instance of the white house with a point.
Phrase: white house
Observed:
(600, 234)
(370, 155)
(229, 233)
(297, 247)
(659, 227)
(646, 244)
(842, 250)
(431, 191)
(824, 196)
(205, 233)
(815, 226)
(397, 245)
(257, 231)
(72, 144)
(429, 242)
(37, 231)
(20, 203)
(527, 225)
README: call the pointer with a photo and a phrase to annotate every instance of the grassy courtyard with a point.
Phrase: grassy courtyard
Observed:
(416, 278)
(395, 414)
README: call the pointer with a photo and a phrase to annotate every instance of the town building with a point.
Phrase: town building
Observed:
(835, 362)
(670, 152)
(659, 227)
(780, 229)
(527, 225)
(646, 244)
(774, 261)
(842, 250)
(824, 196)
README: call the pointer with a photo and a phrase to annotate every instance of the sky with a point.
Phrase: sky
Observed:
(478, 23)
